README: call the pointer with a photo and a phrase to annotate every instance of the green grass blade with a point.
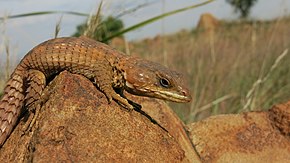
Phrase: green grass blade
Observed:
(131, 10)
(136, 26)
(44, 13)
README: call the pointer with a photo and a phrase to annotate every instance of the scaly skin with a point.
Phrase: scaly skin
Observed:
(104, 66)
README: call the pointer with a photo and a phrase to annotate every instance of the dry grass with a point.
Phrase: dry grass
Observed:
(239, 67)
(8, 59)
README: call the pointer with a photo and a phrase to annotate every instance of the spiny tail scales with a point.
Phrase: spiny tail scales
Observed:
(11, 104)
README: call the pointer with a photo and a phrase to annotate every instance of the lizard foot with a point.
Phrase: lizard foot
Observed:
(125, 103)
(31, 120)
(35, 108)
(119, 99)
(135, 105)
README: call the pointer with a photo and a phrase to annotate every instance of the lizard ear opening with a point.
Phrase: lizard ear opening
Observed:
(138, 78)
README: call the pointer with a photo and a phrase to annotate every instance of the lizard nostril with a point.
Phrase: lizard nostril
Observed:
(185, 92)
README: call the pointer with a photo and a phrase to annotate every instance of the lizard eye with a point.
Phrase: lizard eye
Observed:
(164, 83)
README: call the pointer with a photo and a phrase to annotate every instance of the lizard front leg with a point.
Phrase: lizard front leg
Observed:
(111, 94)
(103, 80)
(120, 91)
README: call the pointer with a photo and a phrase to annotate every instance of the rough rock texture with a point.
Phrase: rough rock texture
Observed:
(170, 121)
(247, 137)
(77, 124)
(280, 118)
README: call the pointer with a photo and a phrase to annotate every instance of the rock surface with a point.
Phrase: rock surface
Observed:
(207, 22)
(77, 124)
(246, 137)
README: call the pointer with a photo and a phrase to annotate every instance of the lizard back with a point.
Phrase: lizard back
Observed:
(77, 55)
(69, 53)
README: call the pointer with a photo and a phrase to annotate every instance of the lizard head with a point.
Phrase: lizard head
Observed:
(146, 78)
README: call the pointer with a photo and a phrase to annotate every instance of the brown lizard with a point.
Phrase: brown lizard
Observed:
(107, 68)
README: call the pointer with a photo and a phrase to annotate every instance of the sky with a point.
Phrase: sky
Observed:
(25, 33)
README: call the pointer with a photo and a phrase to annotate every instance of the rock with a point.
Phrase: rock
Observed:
(77, 124)
(280, 118)
(246, 137)
(207, 22)
(164, 115)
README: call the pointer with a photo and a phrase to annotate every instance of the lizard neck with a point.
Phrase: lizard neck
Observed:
(124, 65)
(119, 67)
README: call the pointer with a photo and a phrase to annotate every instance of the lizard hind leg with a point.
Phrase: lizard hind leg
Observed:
(36, 83)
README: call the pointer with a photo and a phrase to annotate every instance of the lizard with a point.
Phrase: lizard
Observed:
(106, 67)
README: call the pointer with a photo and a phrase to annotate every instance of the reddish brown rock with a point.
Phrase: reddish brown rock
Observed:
(164, 115)
(247, 137)
(207, 22)
(280, 118)
(77, 124)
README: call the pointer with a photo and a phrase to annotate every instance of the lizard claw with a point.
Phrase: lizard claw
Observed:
(31, 121)
(112, 95)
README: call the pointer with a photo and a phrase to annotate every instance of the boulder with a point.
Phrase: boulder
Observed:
(77, 124)
(246, 137)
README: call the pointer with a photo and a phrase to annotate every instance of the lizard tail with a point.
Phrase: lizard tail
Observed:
(11, 104)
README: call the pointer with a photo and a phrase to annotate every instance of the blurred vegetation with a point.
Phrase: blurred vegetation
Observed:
(106, 28)
(233, 67)
(242, 6)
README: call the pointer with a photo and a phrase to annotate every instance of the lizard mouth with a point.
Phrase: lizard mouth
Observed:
(175, 97)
